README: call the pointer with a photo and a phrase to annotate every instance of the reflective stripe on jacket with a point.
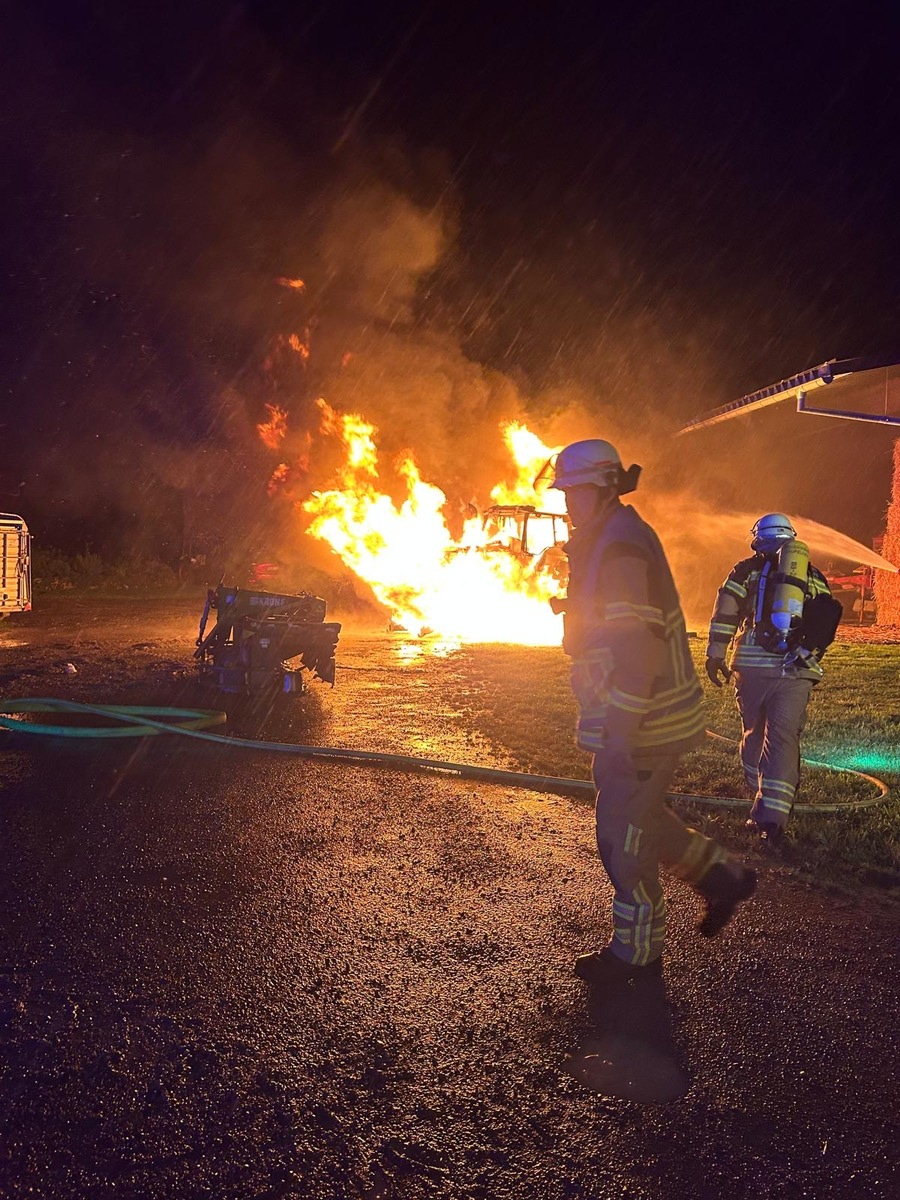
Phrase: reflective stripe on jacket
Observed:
(626, 634)
(732, 619)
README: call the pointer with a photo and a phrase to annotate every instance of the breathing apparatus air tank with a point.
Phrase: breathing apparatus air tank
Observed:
(781, 596)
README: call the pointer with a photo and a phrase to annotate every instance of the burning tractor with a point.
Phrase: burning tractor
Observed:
(258, 635)
(530, 535)
(534, 538)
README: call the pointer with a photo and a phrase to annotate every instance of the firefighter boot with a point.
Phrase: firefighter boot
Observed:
(723, 887)
(605, 969)
(769, 832)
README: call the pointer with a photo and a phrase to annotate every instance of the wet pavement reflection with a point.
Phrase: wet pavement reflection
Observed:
(236, 973)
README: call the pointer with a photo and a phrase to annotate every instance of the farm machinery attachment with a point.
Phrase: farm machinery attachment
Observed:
(263, 641)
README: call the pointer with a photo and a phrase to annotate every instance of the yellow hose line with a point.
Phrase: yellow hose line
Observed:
(143, 722)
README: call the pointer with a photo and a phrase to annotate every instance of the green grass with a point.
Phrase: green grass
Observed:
(519, 699)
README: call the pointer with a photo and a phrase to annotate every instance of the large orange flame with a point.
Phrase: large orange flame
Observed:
(476, 588)
(529, 454)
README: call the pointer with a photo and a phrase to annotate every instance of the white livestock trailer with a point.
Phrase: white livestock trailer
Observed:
(15, 565)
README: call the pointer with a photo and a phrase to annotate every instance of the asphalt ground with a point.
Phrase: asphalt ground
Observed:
(231, 974)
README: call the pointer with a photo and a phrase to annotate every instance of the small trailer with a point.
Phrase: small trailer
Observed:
(15, 565)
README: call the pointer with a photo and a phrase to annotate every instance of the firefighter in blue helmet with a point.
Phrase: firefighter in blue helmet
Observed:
(639, 708)
(778, 609)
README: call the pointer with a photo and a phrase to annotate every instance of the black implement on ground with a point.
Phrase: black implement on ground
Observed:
(259, 635)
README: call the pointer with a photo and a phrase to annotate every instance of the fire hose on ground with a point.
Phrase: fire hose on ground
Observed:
(195, 723)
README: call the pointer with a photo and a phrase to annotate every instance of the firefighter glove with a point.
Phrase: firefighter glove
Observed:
(716, 667)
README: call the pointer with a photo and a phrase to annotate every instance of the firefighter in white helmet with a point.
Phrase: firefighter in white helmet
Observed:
(778, 609)
(639, 708)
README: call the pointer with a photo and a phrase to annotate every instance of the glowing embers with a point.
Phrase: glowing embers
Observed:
(277, 479)
(274, 430)
(300, 345)
(464, 587)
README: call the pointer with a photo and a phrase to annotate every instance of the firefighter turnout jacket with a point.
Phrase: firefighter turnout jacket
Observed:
(733, 620)
(625, 633)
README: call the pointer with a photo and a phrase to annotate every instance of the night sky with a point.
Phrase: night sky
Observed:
(633, 211)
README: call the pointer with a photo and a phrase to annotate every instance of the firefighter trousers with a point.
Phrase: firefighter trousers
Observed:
(773, 716)
(637, 833)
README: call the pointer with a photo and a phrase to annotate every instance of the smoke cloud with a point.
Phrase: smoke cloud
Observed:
(168, 331)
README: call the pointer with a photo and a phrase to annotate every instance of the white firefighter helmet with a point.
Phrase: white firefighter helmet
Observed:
(593, 461)
(771, 531)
